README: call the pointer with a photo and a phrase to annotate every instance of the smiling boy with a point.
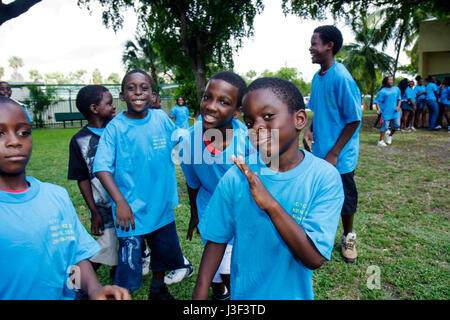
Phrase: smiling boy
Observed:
(334, 129)
(283, 214)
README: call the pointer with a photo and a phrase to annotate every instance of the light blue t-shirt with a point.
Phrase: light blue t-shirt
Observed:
(336, 102)
(410, 94)
(41, 237)
(418, 89)
(444, 98)
(262, 265)
(137, 152)
(97, 131)
(181, 115)
(202, 169)
(431, 88)
(388, 99)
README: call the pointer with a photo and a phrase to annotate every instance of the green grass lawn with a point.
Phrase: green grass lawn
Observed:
(402, 221)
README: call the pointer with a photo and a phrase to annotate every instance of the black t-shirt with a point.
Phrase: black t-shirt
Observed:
(83, 147)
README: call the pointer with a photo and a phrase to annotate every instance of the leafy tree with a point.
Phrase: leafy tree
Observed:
(362, 58)
(97, 77)
(15, 9)
(77, 77)
(412, 68)
(55, 78)
(113, 78)
(39, 101)
(35, 76)
(15, 63)
(192, 37)
(293, 75)
(2, 72)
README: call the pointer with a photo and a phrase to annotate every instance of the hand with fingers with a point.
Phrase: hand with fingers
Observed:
(260, 194)
(124, 216)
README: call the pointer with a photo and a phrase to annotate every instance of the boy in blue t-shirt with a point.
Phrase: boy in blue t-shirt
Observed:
(334, 129)
(95, 103)
(134, 164)
(205, 155)
(180, 113)
(41, 238)
(283, 213)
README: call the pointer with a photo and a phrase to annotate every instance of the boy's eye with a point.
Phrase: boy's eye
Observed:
(24, 133)
(268, 116)
(205, 98)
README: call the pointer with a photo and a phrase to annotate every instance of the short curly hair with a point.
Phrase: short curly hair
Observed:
(330, 33)
(285, 90)
(235, 80)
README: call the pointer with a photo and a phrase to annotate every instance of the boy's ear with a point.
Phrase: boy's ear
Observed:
(237, 113)
(121, 96)
(330, 45)
(301, 119)
(93, 108)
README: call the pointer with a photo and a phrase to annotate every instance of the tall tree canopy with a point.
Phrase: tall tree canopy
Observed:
(194, 36)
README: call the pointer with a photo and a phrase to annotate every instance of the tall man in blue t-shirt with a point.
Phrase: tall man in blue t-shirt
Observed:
(334, 129)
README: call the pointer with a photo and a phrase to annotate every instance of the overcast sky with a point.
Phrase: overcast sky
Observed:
(58, 36)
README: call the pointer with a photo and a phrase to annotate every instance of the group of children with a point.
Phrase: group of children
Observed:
(404, 107)
(267, 211)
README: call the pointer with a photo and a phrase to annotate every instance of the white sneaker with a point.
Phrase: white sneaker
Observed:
(412, 129)
(146, 262)
(178, 275)
(388, 139)
(381, 143)
(388, 132)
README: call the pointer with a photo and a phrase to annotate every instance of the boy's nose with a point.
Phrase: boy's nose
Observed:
(13, 141)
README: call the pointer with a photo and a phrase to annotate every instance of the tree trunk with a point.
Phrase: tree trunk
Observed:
(399, 46)
(372, 89)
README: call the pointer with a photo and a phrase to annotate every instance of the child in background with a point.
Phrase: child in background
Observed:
(388, 101)
(283, 214)
(334, 129)
(421, 103)
(411, 96)
(95, 103)
(5, 91)
(205, 155)
(134, 164)
(432, 95)
(180, 113)
(444, 100)
(41, 237)
(408, 99)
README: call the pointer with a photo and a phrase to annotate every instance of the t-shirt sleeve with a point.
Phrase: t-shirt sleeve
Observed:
(78, 169)
(86, 246)
(173, 113)
(349, 99)
(192, 179)
(105, 157)
(217, 224)
(399, 94)
(379, 98)
(321, 221)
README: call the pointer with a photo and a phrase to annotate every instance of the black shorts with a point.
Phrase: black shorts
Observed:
(350, 192)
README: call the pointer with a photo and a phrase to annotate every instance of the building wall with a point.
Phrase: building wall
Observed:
(434, 48)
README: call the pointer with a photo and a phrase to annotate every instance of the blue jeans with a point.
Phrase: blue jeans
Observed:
(433, 107)
(166, 255)
(395, 124)
(421, 104)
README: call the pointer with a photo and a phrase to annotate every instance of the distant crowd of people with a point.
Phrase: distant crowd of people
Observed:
(404, 107)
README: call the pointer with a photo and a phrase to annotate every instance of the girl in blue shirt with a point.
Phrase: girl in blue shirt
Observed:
(408, 105)
(388, 101)
(421, 103)
(180, 113)
(40, 253)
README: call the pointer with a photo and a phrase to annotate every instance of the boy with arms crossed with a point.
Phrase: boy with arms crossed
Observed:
(283, 215)
(334, 129)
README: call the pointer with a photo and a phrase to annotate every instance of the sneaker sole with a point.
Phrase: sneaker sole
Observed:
(349, 260)
(188, 276)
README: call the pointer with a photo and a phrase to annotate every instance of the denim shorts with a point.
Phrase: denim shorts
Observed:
(421, 104)
(395, 124)
(350, 193)
(407, 106)
(166, 254)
